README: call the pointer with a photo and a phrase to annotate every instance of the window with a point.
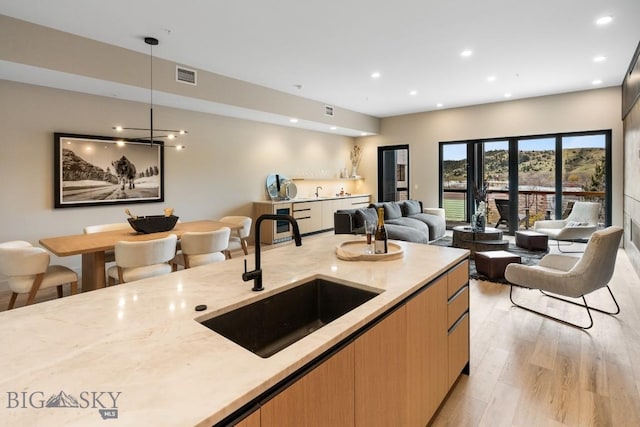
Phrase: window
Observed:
(541, 176)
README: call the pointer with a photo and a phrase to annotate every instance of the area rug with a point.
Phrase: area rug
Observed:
(527, 258)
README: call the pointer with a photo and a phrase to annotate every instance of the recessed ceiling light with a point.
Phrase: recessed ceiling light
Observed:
(466, 53)
(439, 105)
(491, 79)
(413, 93)
(596, 82)
(333, 127)
(363, 134)
(507, 95)
(293, 120)
(600, 58)
(375, 75)
(604, 20)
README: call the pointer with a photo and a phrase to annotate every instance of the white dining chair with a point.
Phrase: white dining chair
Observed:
(28, 270)
(238, 241)
(109, 255)
(142, 259)
(202, 247)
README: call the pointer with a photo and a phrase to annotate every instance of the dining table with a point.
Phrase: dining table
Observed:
(92, 246)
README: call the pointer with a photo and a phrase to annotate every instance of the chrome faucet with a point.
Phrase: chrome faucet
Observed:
(256, 274)
(318, 191)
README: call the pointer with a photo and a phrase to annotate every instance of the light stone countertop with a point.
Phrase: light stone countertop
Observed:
(311, 199)
(141, 339)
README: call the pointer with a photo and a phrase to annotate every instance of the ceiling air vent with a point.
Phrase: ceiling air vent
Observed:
(186, 75)
(328, 110)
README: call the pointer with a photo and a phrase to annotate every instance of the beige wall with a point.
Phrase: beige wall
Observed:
(221, 172)
(577, 111)
(68, 61)
(227, 160)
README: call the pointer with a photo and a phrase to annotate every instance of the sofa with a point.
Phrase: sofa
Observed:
(404, 220)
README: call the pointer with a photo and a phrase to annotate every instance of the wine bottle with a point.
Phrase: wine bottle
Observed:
(381, 234)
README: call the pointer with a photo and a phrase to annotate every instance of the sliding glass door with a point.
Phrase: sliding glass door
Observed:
(536, 177)
(584, 173)
(454, 182)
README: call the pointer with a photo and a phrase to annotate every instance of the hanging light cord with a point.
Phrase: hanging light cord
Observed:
(151, 42)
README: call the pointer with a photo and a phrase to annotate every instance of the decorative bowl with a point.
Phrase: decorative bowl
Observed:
(153, 223)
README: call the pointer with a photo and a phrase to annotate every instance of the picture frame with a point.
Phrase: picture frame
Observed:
(100, 170)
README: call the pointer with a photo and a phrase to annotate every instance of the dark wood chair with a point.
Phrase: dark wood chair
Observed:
(503, 210)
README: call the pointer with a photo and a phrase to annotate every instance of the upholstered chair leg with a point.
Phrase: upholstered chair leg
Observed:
(227, 254)
(34, 288)
(59, 289)
(245, 247)
(12, 301)
(174, 266)
(74, 288)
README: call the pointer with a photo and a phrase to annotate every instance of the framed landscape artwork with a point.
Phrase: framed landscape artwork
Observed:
(100, 170)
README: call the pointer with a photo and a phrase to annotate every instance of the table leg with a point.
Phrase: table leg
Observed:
(93, 271)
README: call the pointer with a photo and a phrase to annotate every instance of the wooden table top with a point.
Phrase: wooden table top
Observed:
(78, 244)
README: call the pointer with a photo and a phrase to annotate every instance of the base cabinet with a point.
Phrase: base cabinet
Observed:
(381, 373)
(458, 321)
(252, 420)
(396, 373)
(323, 397)
(427, 352)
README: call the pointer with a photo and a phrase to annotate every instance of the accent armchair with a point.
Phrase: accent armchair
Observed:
(580, 224)
(571, 276)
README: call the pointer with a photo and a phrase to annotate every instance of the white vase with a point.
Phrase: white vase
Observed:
(354, 171)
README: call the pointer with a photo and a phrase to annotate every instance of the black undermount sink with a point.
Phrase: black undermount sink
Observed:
(272, 324)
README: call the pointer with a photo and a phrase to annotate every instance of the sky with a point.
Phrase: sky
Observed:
(459, 151)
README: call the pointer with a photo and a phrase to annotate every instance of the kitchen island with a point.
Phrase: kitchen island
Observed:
(136, 354)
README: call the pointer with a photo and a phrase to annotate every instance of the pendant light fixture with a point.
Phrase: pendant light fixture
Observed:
(153, 132)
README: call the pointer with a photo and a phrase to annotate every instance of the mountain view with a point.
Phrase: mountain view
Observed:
(583, 169)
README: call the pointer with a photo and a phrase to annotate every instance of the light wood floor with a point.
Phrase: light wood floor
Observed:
(530, 371)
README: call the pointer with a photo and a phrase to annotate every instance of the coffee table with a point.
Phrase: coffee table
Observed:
(488, 240)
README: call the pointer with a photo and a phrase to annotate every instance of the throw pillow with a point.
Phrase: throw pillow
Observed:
(392, 210)
(410, 207)
(576, 224)
(365, 214)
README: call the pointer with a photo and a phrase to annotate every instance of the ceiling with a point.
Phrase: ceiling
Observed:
(327, 51)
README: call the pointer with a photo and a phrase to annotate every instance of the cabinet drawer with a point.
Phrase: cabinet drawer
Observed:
(305, 206)
(457, 305)
(457, 278)
(302, 214)
(458, 343)
(358, 202)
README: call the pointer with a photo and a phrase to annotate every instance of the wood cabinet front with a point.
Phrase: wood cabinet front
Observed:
(426, 352)
(395, 373)
(381, 372)
(323, 397)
